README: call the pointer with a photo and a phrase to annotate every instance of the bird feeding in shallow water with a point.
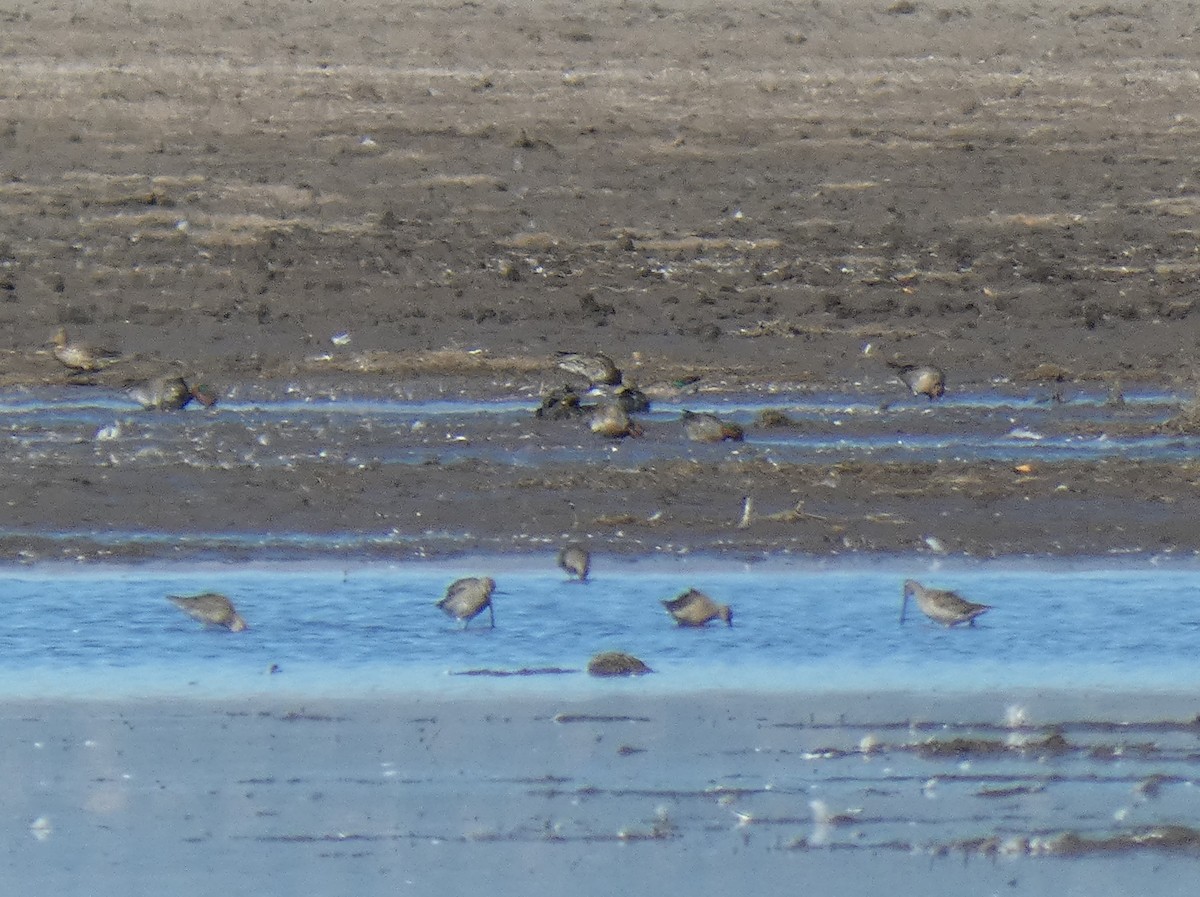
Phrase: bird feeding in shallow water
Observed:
(170, 394)
(921, 379)
(940, 605)
(211, 609)
(616, 663)
(701, 426)
(466, 598)
(694, 608)
(576, 560)
(611, 420)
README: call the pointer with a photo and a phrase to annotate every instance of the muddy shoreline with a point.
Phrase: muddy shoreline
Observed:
(765, 196)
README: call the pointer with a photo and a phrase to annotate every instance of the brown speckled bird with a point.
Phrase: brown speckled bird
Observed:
(597, 368)
(940, 605)
(613, 421)
(616, 663)
(466, 598)
(80, 357)
(170, 393)
(576, 560)
(922, 379)
(211, 609)
(704, 427)
(694, 608)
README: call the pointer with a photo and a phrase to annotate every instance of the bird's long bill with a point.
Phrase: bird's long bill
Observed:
(903, 606)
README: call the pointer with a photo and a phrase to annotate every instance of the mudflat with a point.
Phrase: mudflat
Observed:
(414, 199)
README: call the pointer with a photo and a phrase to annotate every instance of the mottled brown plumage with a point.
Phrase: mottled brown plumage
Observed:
(704, 427)
(613, 421)
(694, 608)
(576, 560)
(616, 663)
(210, 608)
(940, 605)
(80, 357)
(922, 379)
(597, 368)
(466, 598)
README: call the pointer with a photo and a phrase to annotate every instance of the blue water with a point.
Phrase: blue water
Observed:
(374, 627)
(274, 429)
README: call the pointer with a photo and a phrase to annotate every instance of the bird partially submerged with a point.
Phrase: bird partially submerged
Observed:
(596, 367)
(576, 560)
(616, 663)
(921, 379)
(211, 609)
(466, 598)
(704, 427)
(940, 605)
(560, 404)
(694, 608)
(170, 393)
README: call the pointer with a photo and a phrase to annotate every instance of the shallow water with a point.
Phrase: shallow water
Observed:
(816, 628)
(281, 429)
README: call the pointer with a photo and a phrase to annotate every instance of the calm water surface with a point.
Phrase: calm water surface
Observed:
(374, 626)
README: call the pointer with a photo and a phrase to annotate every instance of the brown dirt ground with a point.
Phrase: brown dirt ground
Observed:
(754, 191)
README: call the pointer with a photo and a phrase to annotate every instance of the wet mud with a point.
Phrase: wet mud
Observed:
(443, 196)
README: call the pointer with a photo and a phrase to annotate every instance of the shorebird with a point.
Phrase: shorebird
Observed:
(616, 663)
(211, 609)
(574, 558)
(170, 394)
(611, 420)
(923, 379)
(704, 427)
(694, 608)
(940, 605)
(632, 399)
(78, 356)
(597, 368)
(560, 404)
(466, 598)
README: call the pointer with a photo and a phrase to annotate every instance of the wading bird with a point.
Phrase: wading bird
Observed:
(940, 605)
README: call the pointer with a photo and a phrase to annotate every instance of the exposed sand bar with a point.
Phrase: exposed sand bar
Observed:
(702, 793)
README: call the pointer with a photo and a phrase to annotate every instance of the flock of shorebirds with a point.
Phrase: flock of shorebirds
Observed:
(467, 598)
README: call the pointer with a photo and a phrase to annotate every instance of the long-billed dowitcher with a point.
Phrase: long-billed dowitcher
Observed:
(80, 357)
(701, 426)
(560, 404)
(211, 609)
(922, 379)
(611, 420)
(170, 393)
(466, 598)
(940, 605)
(596, 367)
(617, 663)
(694, 608)
(576, 560)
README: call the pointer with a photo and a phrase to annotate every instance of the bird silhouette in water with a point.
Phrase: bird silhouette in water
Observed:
(596, 367)
(576, 560)
(940, 605)
(466, 598)
(211, 609)
(922, 379)
(81, 358)
(694, 608)
(701, 426)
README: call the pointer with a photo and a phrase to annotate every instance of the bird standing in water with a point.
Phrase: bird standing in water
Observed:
(704, 427)
(211, 609)
(941, 606)
(922, 379)
(466, 598)
(170, 394)
(613, 421)
(574, 558)
(694, 608)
